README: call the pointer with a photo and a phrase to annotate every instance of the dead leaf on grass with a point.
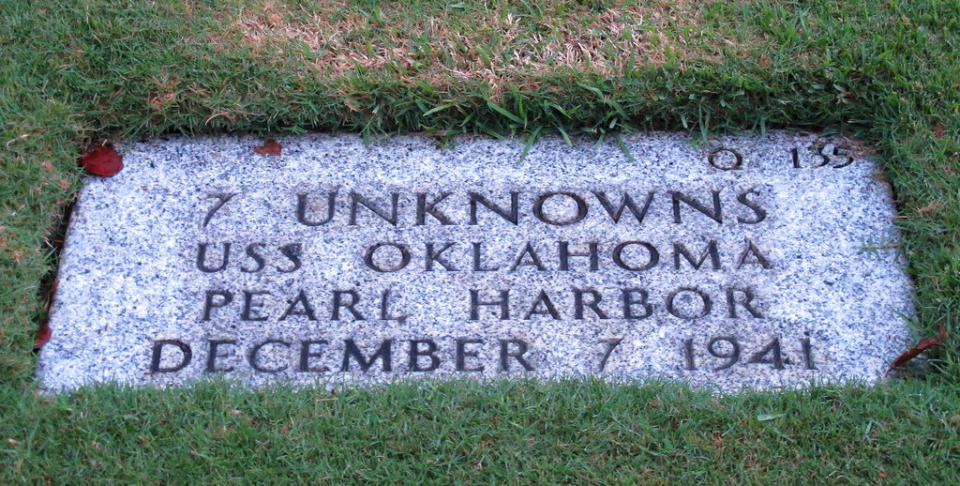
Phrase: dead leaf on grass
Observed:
(930, 208)
(43, 335)
(923, 345)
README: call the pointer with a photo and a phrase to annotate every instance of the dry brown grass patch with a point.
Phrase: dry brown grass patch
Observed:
(167, 91)
(494, 44)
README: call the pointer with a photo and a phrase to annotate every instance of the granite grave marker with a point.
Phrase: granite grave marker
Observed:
(748, 262)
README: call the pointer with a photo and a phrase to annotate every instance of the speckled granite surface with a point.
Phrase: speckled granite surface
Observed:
(747, 262)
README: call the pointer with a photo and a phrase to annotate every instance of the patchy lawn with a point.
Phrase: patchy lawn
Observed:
(75, 72)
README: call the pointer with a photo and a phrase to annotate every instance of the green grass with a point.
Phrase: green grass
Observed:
(580, 432)
(74, 72)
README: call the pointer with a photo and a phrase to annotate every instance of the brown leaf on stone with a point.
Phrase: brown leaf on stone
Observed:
(270, 147)
(923, 345)
(103, 161)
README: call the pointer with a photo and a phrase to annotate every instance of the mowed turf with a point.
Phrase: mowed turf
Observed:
(72, 73)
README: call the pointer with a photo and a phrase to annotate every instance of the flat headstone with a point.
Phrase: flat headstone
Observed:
(745, 262)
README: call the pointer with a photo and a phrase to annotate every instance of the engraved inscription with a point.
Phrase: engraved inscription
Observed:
(763, 261)
(344, 208)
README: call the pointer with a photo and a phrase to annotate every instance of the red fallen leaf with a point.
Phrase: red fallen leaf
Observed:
(43, 335)
(270, 147)
(938, 131)
(923, 345)
(103, 161)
